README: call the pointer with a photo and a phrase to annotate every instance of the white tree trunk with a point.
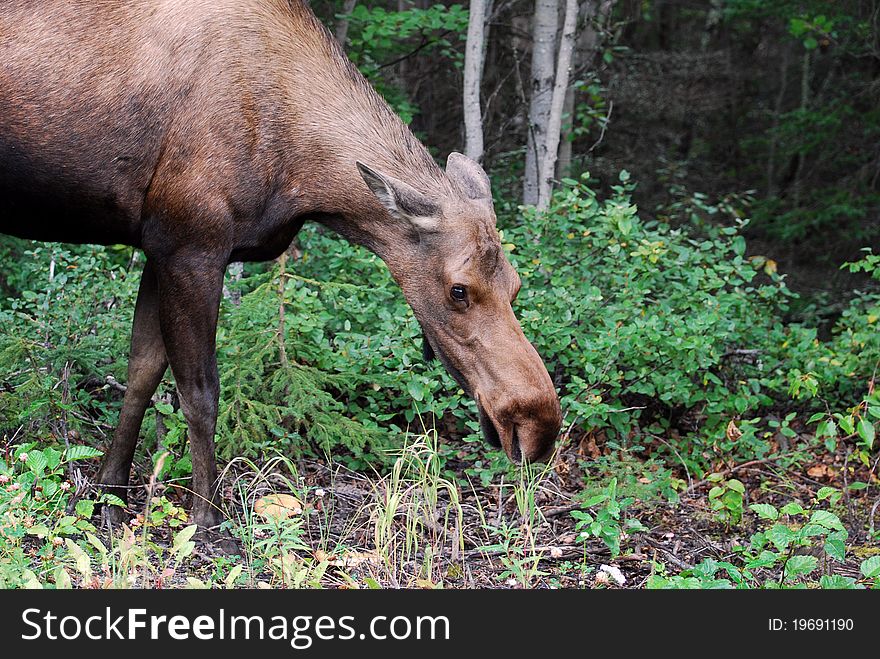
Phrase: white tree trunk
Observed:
(342, 22)
(554, 121)
(473, 75)
(546, 24)
(594, 14)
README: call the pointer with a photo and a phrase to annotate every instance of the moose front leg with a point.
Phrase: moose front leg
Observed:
(190, 287)
(146, 365)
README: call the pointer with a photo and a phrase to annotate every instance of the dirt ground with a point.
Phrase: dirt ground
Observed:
(337, 524)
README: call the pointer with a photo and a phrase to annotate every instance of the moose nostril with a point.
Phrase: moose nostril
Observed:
(516, 452)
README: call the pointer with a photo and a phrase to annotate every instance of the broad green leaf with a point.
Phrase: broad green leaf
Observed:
(36, 461)
(793, 508)
(234, 573)
(827, 519)
(62, 579)
(764, 559)
(835, 547)
(866, 432)
(764, 511)
(416, 390)
(82, 452)
(182, 537)
(736, 486)
(85, 508)
(797, 565)
(39, 530)
(781, 536)
(837, 582)
(847, 423)
(112, 500)
(871, 567)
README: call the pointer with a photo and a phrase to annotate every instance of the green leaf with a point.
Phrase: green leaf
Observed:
(827, 519)
(112, 500)
(81, 452)
(764, 511)
(793, 508)
(183, 546)
(765, 559)
(594, 500)
(810, 43)
(781, 536)
(85, 508)
(871, 567)
(835, 547)
(847, 423)
(164, 408)
(736, 486)
(866, 432)
(416, 390)
(234, 573)
(62, 579)
(39, 530)
(797, 565)
(825, 493)
(837, 582)
(36, 461)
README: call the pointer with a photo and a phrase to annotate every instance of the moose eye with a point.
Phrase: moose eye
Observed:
(458, 292)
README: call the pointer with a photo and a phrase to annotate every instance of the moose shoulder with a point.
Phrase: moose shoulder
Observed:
(209, 132)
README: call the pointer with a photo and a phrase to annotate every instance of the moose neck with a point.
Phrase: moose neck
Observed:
(340, 120)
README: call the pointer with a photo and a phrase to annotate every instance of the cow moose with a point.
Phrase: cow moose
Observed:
(206, 132)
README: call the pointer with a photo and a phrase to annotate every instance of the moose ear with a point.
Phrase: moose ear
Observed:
(401, 200)
(468, 176)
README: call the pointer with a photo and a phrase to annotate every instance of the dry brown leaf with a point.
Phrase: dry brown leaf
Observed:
(733, 433)
(276, 507)
(587, 447)
(820, 471)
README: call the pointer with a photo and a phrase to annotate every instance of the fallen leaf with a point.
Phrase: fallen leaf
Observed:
(276, 507)
(568, 539)
(733, 433)
(820, 471)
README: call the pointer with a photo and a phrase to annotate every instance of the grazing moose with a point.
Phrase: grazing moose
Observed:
(208, 131)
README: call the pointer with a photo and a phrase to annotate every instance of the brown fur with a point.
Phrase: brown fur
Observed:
(209, 131)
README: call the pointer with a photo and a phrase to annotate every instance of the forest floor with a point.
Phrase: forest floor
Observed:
(320, 525)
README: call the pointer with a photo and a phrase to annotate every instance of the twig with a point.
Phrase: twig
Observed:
(677, 562)
(604, 127)
(424, 44)
(113, 383)
(560, 510)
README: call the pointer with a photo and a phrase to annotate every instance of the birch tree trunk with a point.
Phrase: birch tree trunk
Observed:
(554, 122)
(342, 22)
(546, 24)
(594, 15)
(473, 75)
